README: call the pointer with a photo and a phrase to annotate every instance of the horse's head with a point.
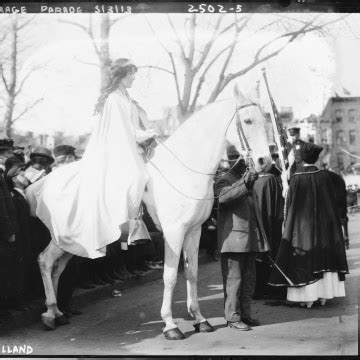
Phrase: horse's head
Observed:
(247, 131)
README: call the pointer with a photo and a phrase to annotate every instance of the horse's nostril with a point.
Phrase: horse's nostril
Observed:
(261, 161)
(248, 121)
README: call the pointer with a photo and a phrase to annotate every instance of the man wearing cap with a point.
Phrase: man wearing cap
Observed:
(64, 154)
(239, 240)
(311, 255)
(17, 182)
(296, 144)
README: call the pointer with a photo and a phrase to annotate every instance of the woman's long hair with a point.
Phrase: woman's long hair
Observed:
(118, 71)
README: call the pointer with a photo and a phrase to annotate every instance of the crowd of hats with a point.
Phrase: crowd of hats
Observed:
(18, 161)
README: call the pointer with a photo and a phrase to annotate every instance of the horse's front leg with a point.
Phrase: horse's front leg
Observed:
(174, 239)
(191, 254)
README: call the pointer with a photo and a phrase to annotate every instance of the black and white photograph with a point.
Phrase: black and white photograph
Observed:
(179, 179)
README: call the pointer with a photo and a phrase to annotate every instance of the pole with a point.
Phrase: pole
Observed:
(279, 138)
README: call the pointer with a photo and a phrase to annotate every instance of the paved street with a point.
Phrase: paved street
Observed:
(131, 325)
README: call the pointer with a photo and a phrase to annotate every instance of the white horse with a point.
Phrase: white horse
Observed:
(179, 197)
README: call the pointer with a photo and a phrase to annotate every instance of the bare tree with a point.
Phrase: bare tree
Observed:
(10, 69)
(194, 60)
(100, 43)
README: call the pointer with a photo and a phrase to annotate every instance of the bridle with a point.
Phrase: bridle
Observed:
(244, 145)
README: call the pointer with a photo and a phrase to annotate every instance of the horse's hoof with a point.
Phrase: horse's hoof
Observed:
(322, 302)
(174, 334)
(203, 327)
(48, 322)
(61, 320)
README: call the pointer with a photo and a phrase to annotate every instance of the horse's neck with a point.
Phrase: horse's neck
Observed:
(200, 141)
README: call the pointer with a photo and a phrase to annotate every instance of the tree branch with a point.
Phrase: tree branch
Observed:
(88, 31)
(25, 23)
(208, 46)
(229, 27)
(192, 38)
(119, 18)
(3, 78)
(308, 27)
(28, 108)
(17, 92)
(155, 67)
(172, 63)
(86, 62)
(219, 85)
(178, 40)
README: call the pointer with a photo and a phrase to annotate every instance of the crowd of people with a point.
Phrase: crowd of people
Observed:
(23, 237)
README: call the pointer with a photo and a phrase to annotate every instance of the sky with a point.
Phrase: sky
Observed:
(303, 76)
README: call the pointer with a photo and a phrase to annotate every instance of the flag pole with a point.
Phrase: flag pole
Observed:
(279, 133)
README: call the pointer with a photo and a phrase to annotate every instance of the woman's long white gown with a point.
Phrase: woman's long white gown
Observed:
(83, 204)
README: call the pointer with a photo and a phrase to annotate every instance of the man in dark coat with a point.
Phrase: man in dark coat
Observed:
(312, 241)
(17, 182)
(239, 241)
(7, 222)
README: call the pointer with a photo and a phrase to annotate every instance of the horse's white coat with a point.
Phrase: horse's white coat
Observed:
(171, 196)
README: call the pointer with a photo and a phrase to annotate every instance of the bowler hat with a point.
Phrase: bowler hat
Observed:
(6, 144)
(42, 151)
(62, 150)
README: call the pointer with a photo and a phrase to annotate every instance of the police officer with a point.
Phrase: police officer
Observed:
(295, 144)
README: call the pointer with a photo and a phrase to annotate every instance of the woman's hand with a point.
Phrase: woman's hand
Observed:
(153, 134)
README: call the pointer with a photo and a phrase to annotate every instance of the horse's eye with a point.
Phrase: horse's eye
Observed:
(248, 121)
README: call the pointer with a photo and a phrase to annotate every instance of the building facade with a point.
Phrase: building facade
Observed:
(338, 130)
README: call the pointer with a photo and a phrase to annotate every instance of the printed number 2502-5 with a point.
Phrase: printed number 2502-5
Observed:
(202, 8)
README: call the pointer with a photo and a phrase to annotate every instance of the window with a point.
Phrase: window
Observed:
(352, 137)
(352, 115)
(338, 115)
(340, 161)
(340, 137)
(324, 135)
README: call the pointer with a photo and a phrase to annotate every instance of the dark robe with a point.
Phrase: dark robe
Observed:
(267, 194)
(312, 241)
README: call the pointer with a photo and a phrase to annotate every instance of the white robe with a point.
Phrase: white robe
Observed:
(84, 203)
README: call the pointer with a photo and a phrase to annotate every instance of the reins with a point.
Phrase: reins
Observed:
(244, 140)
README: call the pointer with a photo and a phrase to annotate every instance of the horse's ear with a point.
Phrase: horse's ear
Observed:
(239, 96)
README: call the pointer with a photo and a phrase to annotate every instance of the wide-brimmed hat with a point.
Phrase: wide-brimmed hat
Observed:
(42, 151)
(6, 144)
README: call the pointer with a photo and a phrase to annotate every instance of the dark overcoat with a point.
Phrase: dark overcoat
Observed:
(237, 225)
